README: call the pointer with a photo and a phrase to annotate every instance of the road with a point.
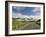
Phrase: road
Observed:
(31, 26)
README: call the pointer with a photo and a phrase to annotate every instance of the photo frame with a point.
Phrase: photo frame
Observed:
(24, 18)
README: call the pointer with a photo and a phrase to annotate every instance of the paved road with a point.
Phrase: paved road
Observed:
(31, 26)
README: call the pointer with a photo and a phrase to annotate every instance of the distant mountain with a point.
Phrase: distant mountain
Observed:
(26, 17)
(35, 18)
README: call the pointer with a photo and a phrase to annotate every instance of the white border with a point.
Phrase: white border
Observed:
(24, 31)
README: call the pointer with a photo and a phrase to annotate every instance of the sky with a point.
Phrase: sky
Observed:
(25, 11)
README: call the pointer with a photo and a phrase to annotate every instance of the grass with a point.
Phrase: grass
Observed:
(17, 25)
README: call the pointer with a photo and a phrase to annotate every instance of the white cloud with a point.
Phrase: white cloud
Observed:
(36, 9)
(19, 15)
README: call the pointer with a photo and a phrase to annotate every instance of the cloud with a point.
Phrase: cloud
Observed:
(27, 10)
(36, 10)
(19, 15)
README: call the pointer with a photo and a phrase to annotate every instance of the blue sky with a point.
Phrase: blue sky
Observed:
(25, 11)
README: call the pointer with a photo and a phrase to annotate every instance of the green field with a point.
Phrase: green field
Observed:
(19, 25)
